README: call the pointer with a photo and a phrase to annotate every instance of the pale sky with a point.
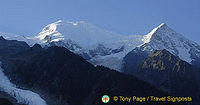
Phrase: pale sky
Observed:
(28, 17)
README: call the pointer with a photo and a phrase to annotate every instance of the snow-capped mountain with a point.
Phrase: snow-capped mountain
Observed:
(163, 37)
(102, 47)
(98, 46)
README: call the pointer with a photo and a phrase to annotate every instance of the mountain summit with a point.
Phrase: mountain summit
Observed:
(84, 34)
(103, 47)
(98, 46)
(147, 38)
(160, 38)
(163, 37)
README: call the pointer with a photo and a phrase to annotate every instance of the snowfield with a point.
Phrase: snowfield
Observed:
(22, 96)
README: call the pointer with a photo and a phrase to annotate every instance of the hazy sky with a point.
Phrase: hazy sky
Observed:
(28, 17)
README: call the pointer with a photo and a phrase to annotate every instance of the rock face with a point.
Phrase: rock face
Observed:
(167, 72)
(132, 60)
(58, 75)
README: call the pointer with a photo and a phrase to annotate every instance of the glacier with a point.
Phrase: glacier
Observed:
(22, 96)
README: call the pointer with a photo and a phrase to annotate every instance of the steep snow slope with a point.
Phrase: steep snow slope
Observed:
(100, 47)
(163, 37)
(22, 96)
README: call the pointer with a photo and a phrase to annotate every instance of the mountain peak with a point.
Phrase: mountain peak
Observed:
(162, 25)
(81, 32)
(59, 21)
(163, 37)
(159, 32)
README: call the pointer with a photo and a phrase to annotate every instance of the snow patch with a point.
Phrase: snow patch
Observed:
(184, 54)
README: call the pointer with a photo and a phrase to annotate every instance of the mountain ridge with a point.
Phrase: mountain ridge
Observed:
(59, 75)
(102, 47)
